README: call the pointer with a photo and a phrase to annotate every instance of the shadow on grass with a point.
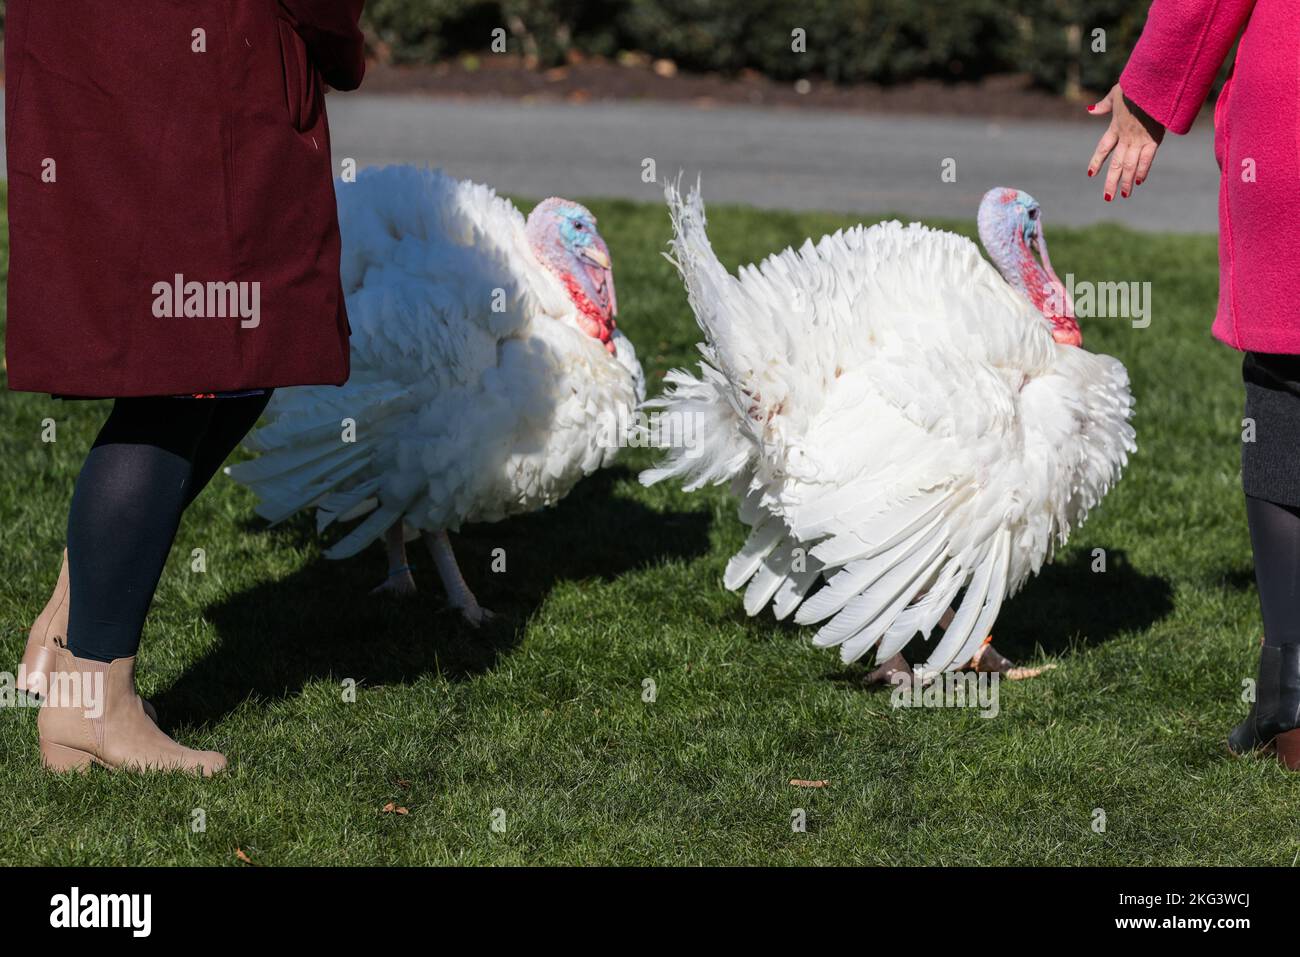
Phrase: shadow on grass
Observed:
(1237, 578)
(1069, 605)
(321, 622)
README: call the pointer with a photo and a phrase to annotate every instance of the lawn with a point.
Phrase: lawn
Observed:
(538, 725)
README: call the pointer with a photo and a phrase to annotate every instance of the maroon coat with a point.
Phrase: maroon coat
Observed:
(142, 150)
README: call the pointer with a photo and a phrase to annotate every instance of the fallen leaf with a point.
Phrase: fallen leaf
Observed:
(239, 853)
(800, 783)
(391, 808)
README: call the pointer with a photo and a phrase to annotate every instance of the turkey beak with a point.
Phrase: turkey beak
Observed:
(597, 257)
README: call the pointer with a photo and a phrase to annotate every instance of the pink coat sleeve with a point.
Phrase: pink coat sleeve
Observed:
(1181, 49)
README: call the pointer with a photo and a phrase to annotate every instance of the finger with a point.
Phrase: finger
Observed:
(1104, 146)
(1145, 159)
(1114, 169)
(1101, 107)
(1129, 168)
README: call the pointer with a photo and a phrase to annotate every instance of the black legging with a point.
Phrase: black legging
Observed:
(151, 459)
(1275, 538)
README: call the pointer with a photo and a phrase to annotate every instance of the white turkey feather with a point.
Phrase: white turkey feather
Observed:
(474, 392)
(889, 408)
(757, 547)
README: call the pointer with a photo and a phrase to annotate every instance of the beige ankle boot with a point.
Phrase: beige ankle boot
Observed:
(92, 715)
(50, 624)
(50, 631)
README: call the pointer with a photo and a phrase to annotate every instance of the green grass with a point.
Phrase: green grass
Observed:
(542, 715)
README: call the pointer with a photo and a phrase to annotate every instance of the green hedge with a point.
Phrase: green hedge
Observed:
(1054, 54)
(879, 41)
(847, 40)
(424, 30)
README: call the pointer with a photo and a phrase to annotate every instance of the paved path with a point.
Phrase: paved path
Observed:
(776, 159)
(781, 159)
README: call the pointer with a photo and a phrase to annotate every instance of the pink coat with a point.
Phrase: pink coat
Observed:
(1256, 142)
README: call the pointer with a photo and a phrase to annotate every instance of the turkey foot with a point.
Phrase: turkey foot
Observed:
(989, 659)
(399, 580)
(400, 583)
(458, 594)
(884, 674)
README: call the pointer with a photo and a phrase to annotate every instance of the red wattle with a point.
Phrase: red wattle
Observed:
(599, 324)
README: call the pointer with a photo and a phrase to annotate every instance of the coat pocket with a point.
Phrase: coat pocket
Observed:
(302, 86)
(1221, 124)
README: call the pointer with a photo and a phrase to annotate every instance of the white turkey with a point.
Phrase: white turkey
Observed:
(902, 424)
(487, 373)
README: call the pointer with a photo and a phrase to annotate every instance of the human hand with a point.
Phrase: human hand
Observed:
(1131, 141)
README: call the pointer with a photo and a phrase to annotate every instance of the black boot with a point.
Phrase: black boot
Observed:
(1274, 717)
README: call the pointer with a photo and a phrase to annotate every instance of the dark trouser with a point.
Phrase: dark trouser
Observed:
(151, 459)
(1270, 474)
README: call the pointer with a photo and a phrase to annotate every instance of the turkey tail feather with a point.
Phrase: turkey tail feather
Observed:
(706, 431)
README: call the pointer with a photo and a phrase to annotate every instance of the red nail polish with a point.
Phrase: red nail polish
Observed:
(1108, 197)
(1091, 109)
(1090, 173)
(1138, 183)
(1124, 193)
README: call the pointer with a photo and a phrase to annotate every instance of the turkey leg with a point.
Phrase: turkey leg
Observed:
(458, 593)
(987, 659)
(399, 580)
